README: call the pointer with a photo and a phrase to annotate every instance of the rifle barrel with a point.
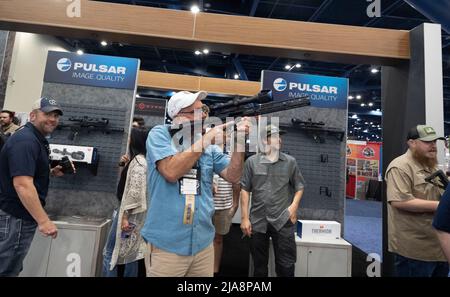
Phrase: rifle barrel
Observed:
(262, 97)
(264, 108)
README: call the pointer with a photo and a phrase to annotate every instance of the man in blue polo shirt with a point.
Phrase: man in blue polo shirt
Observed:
(24, 180)
(179, 229)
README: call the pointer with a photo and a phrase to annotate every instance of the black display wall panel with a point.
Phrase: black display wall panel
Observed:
(322, 162)
(108, 146)
(84, 194)
(317, 174)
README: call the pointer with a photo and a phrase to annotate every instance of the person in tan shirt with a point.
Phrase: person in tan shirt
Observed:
(411, 206)
(6, 122)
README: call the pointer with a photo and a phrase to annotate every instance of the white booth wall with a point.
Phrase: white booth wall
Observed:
(26, 73)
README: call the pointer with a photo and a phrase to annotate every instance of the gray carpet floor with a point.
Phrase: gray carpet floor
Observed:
(363, 225)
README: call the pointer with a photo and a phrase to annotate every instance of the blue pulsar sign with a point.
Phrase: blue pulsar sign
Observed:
(91, 70)
(323, 91)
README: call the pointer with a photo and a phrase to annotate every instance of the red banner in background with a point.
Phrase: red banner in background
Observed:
(369, 151)
(363, 165)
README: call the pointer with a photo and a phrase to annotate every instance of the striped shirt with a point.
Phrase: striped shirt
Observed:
(223, 198)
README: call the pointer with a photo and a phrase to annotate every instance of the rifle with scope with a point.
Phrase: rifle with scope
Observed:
(261, 103)
(317, 128)
(88, 124)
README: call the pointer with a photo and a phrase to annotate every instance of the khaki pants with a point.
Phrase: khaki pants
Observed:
(222, 221)
(160, 263)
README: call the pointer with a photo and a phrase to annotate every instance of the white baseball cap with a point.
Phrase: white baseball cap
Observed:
(182, 100)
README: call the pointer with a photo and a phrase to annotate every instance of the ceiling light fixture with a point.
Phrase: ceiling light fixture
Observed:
(289, 67)
(358, 97)
(206, 51)
(80, 52)
(195, 9)
(197, 52)
(104, 43)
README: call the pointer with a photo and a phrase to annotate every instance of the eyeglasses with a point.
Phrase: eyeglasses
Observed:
(205, 109)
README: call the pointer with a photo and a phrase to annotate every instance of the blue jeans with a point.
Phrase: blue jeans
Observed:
(406, 267)
(131, 269)
(16, 236)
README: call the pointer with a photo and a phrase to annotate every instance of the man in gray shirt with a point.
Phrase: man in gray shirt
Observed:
(276, 184)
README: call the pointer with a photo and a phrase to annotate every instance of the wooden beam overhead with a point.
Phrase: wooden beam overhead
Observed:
(177, 82)
(182, 29)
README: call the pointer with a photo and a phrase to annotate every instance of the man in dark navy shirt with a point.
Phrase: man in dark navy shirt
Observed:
(24, 179)
(441, 222)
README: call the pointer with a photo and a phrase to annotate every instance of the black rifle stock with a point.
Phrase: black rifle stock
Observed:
(88, 124)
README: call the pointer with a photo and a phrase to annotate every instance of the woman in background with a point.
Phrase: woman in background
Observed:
(125, 244)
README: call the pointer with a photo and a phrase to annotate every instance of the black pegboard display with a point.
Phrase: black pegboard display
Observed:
(322, 167)
(321, 158)
(108, 146)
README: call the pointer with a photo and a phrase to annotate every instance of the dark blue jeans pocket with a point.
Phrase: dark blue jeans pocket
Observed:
(28, 227)
(4, 226)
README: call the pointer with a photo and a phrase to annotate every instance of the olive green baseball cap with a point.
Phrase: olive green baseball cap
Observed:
(424, 133)
(272, 129)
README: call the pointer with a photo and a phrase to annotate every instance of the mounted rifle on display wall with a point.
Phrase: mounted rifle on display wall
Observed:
(317, 129)
(85, 123)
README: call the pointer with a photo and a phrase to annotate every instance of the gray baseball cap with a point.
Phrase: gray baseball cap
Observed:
(424, 133)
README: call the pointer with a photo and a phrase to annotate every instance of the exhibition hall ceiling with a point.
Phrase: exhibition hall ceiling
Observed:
(365, 89)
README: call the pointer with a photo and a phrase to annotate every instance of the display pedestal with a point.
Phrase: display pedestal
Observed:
(320, 257)
(76, 251)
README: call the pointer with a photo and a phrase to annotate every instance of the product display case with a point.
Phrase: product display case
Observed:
(76, 251)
